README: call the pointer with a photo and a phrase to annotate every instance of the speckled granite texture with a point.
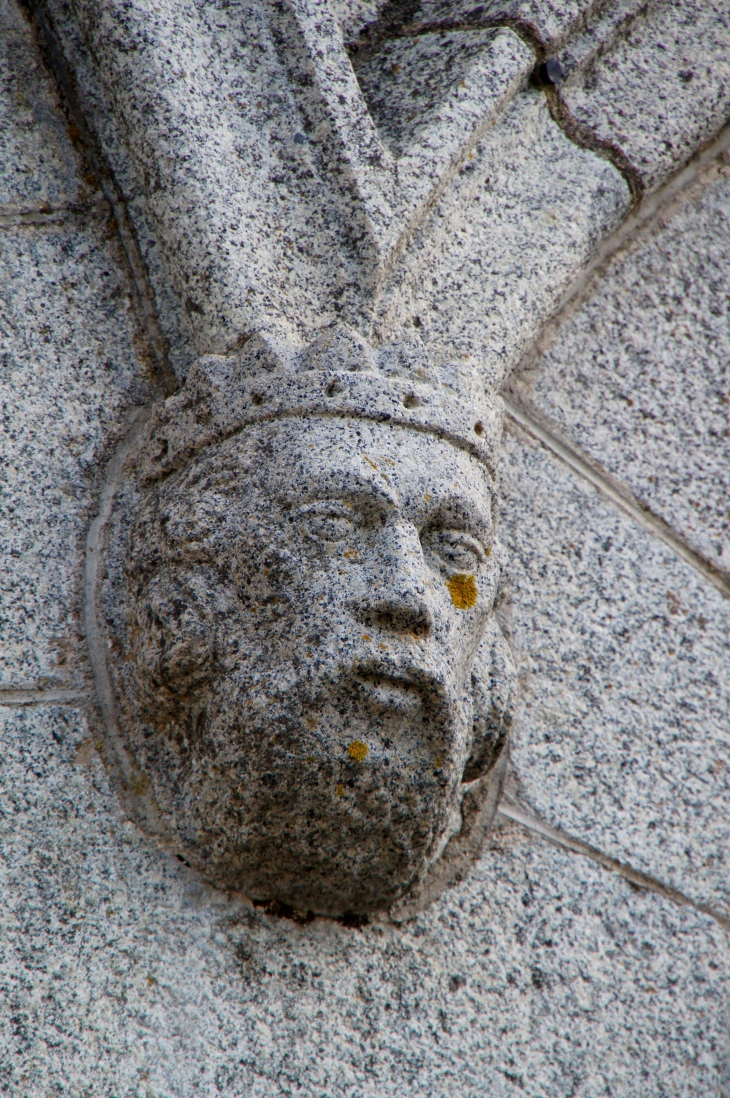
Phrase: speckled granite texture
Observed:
(621, 733)
(594, 964)
(39, 167)
(66, 388)
(638, 376)
(543, 974)
(661, 89)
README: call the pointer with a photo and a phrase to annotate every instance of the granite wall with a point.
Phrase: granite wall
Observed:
(586, 953)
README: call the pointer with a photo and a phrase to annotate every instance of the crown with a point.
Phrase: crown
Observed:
(339, 375)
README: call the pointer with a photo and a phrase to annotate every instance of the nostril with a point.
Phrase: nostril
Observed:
(414, 621)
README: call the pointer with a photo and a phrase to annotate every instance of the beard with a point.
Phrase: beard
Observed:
(328, 786)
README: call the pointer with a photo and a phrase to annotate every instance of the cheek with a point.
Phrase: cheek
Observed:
(463, 604)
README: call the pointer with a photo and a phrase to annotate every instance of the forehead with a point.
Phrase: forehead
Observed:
(306, 458)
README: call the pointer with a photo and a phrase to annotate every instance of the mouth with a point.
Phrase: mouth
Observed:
(390, 693)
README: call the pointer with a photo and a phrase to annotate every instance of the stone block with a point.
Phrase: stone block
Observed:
(39, 167)
(661, 91)
(71, 368)
(637, 377)
(621, 737)
(493, 259)
(542, 974)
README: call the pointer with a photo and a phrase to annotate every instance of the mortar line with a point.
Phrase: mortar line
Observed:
(639, 223)
(52, 214)
(514, 812)
(617, 495)
(12, 696)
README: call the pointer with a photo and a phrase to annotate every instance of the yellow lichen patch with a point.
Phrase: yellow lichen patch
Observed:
(340, 790)
(463, 590)
(139, 784)
(357, 750)
(352, 554)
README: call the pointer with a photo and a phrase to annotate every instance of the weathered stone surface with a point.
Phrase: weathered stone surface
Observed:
(334, 204)
(662, 90)
(296, 608)
(113, 160)
(428, 94)
(621, 731)
(499, 250)
(72, 366)
(540, 975)
(354, 15)
(638, 377)
(366, 24)
(226, 152)
(39, 167)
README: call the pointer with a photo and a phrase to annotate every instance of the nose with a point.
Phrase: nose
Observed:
(396, 601)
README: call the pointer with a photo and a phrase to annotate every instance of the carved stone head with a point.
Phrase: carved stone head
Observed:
(301, 666)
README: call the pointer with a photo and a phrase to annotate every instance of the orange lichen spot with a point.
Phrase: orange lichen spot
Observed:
(366, 636)
(383, 647)
(463, 590)
(340, 790)
(438, 765)
(309, 655)
(357, 750)
(371, 463)
(139, 784)
(352, 554)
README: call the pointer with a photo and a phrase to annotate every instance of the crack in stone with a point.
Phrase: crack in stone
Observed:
(638, 225)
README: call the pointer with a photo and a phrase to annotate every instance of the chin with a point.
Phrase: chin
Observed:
(338, 818)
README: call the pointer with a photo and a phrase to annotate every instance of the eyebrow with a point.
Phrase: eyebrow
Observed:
(352, 483)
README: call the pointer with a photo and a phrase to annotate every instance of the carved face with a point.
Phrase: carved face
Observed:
(305, 602)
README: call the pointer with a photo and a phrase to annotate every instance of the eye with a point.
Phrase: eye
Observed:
(329, 520)
(456, 549)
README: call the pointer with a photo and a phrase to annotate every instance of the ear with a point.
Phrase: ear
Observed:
(493, 683)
